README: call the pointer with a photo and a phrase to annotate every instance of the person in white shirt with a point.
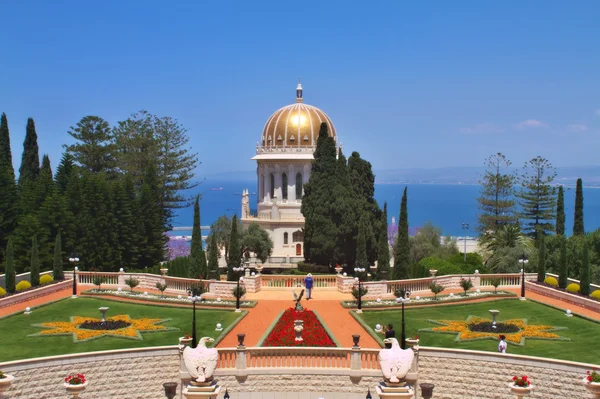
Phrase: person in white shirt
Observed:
(502, 344)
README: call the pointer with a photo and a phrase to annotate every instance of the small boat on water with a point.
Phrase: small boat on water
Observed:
(216, 189)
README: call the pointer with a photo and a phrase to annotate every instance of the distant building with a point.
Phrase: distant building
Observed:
(283, 157)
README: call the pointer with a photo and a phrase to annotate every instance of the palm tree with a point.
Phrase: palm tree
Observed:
(505, 246)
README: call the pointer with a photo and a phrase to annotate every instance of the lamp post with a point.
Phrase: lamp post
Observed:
(465, 226)
(74, 259)
(404, 297)
(194, 296)
(359, 270)
(523, 261)
(239, 269)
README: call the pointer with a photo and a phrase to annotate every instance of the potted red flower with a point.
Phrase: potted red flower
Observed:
(186, 340)
(75, 384)
(521, 386)
(592, 383)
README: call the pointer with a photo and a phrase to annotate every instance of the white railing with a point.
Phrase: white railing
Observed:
(291, 281)
(109, 278)
(593, 287)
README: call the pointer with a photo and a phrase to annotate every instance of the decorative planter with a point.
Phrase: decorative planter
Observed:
(6, 382)
(338, 270)
(520, 391)
(412, 342)
(75, 390)
(185, 341)
(298, 328)
(592, 387)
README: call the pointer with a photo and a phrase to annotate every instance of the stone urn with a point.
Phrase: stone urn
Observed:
(338, 269)
(520, 391)
(75, 390)
(5, 383)
(592, 387)
(185, 341)
(298, 328)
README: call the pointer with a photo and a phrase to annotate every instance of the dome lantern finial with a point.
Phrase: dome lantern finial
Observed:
(299, 98)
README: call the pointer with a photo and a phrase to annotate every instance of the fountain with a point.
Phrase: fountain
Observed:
(494, 313)
(103, 310)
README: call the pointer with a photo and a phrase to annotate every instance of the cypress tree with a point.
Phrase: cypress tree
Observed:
(383, 252)
(563, 274)
(9, 202)
(585, 270)
(235, 250)
(10, 276)
(35, 263)
(542, 258)
(402, 252)
(361, 245)
(196, 247)
(560, 212)
(578, 220)
(213, 258)
(30, 162)
(57, 264)
(5, 152)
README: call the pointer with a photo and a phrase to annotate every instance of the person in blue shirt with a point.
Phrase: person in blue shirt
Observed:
(308, 284)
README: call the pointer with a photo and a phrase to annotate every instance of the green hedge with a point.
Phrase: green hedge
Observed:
(310, 268)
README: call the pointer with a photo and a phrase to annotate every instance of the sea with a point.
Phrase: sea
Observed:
(446, 206)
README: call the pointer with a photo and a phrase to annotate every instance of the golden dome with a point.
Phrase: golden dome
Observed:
(296, 125)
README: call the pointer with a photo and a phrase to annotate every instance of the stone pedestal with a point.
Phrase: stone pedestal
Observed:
(204, 390)
(387, 390)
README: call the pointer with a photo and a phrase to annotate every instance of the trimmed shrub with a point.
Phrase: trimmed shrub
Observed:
(310, 268)
(363, 291)
(474, 262)
(2, 292)
(573, 288)
(551, 281)
(596, 295)
(23, 285)
(46, 279)
(442, 266)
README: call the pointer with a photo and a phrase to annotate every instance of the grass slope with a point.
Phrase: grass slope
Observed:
(583, 333)
(15, 344)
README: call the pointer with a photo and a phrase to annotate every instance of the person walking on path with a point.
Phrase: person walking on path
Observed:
(502, 344)
(308, 284)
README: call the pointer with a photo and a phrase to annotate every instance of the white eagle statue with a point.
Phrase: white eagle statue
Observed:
(201, 361)
(395, 362)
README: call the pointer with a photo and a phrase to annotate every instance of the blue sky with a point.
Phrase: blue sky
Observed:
(407, 83)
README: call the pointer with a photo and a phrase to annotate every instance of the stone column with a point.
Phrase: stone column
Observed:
(240, 361)
(291, 183)
(267, 183)
(121, 278)
(278, 191)
(476, 280)
(261, 183)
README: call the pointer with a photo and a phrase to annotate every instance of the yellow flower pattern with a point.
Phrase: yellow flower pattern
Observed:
(79, 334)
(525, 330)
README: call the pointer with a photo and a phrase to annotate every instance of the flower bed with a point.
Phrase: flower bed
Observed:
(314, 333)
(429, 300)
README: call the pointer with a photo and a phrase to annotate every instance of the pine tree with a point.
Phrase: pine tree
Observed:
(64, 172)
(55, 219)
(213, 258)
(563, 274)
(383, 252)
(196, 247)
(234, 250)
(344, 214)
(578, 229)
(10, 275)
(560, 212)
(127, 230)
(585, 270)
(57, 265)
(153, 224)
(35, 263)
(542, 258)
(537, 197)
(361, 246)
(497, 195)
(94, 150)
(402, 250)
(30, 162)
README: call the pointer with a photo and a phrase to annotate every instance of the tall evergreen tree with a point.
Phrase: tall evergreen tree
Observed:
(64, 172)
(402, 250)
(196, 247)
(361, 247)
(496, 202)
(383, 252)
(5, 151)
(9, 201)
(30, 162)
(563, 274)
(94, 150)
(542, 258)
(10, 275)
(154, 223)
(35, 263)
(57, 264)
(128, 224)
(537, 197)
(585, 270)
(560, 212)
(235, 250)
(345, 214)
(578, 229)
(213, 258)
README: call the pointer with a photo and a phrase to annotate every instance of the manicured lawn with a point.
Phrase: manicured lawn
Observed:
(583, 333)
(14, 330)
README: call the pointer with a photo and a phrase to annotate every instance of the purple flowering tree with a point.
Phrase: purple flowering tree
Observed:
(177, 246)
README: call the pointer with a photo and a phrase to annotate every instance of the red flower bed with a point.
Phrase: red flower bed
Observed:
(314, 333)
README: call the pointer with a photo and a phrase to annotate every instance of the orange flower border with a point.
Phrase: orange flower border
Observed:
(463, 333)
(83, 335)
